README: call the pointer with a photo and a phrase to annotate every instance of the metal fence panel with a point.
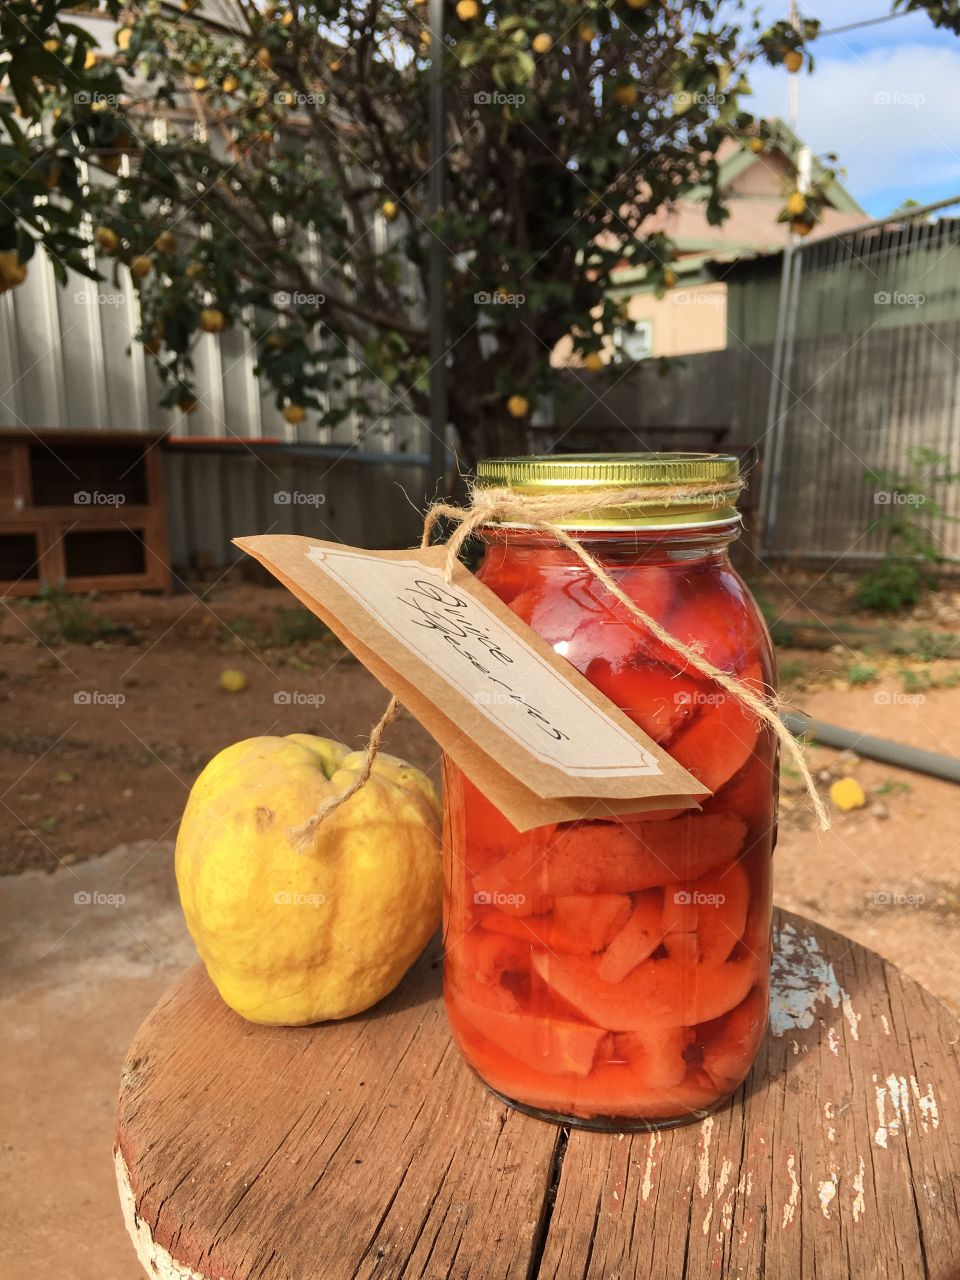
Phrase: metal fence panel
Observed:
(866, 369)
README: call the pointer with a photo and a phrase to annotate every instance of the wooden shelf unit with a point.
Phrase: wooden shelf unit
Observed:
(85, 508)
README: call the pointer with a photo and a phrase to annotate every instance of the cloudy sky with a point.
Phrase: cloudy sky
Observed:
(884, 98)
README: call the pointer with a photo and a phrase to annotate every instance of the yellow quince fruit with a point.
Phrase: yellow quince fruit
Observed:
(232, 681)
(847, 794)
(300, 924)
(796, 204)
(12, 270)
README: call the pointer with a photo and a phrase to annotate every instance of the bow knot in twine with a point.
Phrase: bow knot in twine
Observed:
(548, 513)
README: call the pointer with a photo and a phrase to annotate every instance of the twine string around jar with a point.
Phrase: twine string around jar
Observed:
(547, 513)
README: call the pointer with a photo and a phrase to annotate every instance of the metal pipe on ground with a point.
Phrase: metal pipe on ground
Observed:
(865, 744)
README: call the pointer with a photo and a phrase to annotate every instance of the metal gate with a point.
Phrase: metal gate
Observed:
(866, 374)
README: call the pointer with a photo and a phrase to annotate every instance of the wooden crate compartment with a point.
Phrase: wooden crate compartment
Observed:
(85, 509)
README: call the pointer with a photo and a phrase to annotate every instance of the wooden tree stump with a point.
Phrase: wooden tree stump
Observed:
(367, 1148)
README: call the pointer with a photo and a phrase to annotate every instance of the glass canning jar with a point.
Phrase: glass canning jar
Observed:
(614, 974)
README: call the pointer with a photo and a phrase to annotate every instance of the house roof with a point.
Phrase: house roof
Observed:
(755, 187)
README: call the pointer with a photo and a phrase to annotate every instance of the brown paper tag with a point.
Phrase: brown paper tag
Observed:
(532, 733)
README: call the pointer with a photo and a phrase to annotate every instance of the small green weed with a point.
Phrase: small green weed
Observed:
(70, 618)
(908, 515)
(861, 673)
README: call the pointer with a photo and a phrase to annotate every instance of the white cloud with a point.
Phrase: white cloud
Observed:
(890, 114)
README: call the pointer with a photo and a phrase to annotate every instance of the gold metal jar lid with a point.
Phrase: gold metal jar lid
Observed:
(706, 487)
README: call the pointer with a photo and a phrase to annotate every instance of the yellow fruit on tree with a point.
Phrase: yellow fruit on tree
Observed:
(796, 204)
(389, 209)
(212, 320)
(793, 61)
(51, 45)
(755, 145)
(467, 10)
(542, 43)
(625, 95)
(194, 271)
(300, 921)
(587, 34)
(107, 239)
(425, 38)
(294, 413)
(593, 362)
(669, 278)
(518, 406)
(264, 59)
(123, 38)
(141, 266)
(335, 66)
(12, 270)
(200, 83)
(287, 19)
(166, 242)
(230, 83)
(90, 61)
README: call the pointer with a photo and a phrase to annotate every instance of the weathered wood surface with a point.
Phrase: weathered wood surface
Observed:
(368, 1149)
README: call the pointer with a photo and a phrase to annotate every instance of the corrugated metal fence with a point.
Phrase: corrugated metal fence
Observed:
(68, 359)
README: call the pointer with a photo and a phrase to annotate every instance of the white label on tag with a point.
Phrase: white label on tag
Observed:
(469, 647)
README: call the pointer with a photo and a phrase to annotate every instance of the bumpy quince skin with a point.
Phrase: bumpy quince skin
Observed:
(294, 932)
